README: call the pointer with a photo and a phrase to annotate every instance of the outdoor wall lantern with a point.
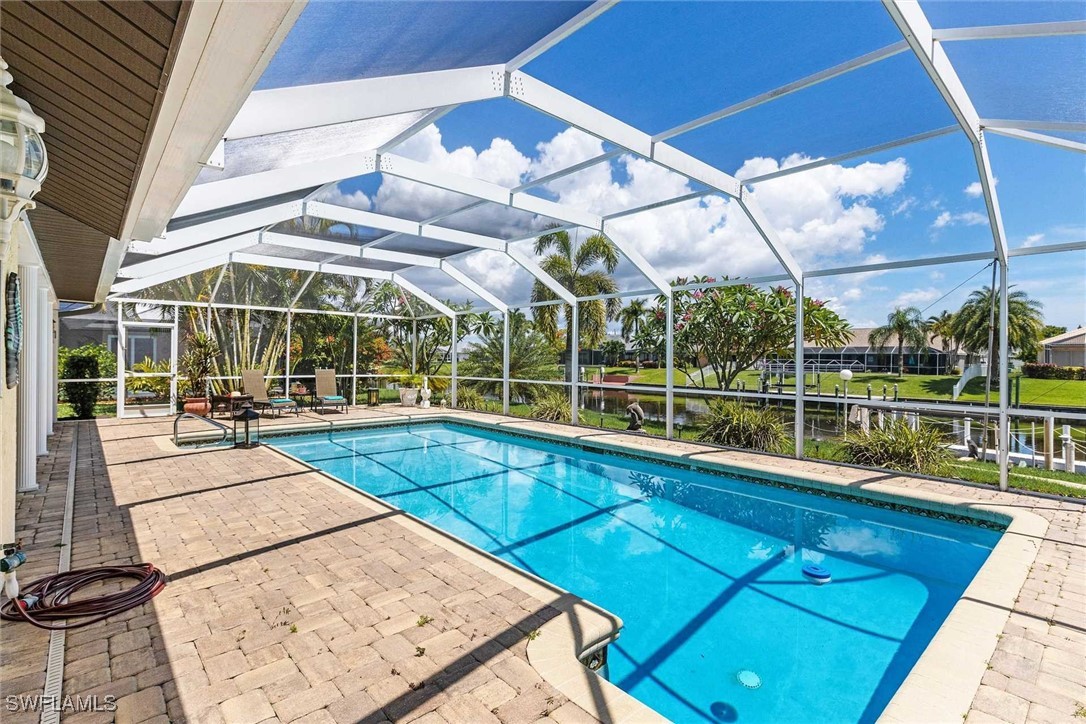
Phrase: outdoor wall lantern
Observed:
(373, 396)
(246, 415)
(846, 375)
(23, 164)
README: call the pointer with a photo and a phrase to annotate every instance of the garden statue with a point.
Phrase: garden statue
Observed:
(425, 393)
(637, 417)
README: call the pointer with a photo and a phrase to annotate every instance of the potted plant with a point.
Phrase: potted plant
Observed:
(409, 390)
(196, 366)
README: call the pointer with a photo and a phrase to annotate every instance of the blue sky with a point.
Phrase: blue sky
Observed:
(656, 65)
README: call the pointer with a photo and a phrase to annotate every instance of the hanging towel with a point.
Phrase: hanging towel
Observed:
(13, 329)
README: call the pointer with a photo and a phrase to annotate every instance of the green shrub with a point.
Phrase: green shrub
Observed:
(82, 395)
(107, 365)
(1053, 372)
(734, 424)
(897, 446)
(552, 406)
(468, 398)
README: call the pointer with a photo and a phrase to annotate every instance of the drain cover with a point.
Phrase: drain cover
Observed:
(749, 679)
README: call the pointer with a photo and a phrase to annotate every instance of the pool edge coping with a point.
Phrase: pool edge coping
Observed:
(941, 685)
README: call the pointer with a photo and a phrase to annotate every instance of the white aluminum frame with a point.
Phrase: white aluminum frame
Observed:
(222, 241)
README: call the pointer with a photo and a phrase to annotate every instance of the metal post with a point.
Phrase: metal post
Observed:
(45, 344)
(574, 363)
(173, 361)
(798, 424)
(354, 362)
(1050, 440)
(1004, 379)
(286, 383)
(453, 353)
(122, 344)
(669, 380)
(414, 346)
(505, 363)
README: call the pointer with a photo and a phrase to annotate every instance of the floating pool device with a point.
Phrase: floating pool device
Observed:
(749, 679)
(816, 574)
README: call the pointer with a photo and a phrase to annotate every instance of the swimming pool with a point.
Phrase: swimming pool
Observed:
(705, 570)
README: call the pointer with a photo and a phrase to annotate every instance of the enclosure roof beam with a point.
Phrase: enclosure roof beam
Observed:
(546, 99)
(218, 229)
(771, 95)
(265, 184)
(322, 104)
(532, 267)
(170, 261)
(946, 130)
(304, 265)
(301, 290)
(1044, 139)
(1020, 30)
(176, 272)
(474, 286)
(560, 33)
(914, 26)
(1028, 125)
(332, 212)
(422, 295)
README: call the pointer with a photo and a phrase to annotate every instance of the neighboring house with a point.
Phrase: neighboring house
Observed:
(860, 356)
(1067, 349)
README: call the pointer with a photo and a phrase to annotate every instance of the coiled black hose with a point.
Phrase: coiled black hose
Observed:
(49, 598)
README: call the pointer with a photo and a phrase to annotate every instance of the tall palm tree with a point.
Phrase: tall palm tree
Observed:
(908, 327)
(632, 318)
(1024, 322)
(942, 326)
(483, 324)
(584, 269)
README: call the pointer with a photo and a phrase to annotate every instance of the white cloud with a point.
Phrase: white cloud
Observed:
(975, 190)
(821, 215)
(905, 206)
(1033, 239)
(355, 200)
(916, 297)
(966, 218)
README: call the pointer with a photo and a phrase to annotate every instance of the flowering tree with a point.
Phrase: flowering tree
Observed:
(721, 331)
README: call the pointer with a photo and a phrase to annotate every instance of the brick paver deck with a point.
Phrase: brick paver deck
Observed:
(292, 600)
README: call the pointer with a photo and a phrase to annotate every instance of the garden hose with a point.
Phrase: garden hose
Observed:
(49, 598)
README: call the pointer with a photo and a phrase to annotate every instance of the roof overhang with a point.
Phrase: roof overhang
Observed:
(131, 114)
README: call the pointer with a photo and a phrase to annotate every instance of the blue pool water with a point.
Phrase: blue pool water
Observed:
(697, 565)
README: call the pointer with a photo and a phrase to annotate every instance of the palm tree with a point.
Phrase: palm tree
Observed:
(530, 358)
(585, 269)
(908, 327)
(942, 326)
(632, 317)
(1024, 322)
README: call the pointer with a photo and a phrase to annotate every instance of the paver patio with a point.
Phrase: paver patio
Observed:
(292, 599)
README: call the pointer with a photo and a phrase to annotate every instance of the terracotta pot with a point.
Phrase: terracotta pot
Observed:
(408, 396)
(197, 406)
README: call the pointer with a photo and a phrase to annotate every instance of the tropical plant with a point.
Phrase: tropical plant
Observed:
(735, 424)
(897, 446)
(613, 349)
(722, 330)
(909, 329)
(941, 326)
(469, 398)
(585, 269)
(159, 386)
(632, 317)
(530, 358)
(81, 395)
(482, 323)
(424, 342)
(198, 362)
(551, 405)
(1024, 323)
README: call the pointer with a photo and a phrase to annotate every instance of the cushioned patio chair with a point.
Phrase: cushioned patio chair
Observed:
(253, 383)
(327, 395)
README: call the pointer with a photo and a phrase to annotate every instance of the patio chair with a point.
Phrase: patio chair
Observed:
(327, 395)
(253, 383)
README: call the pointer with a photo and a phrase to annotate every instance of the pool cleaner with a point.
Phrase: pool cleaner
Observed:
(816, 574)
